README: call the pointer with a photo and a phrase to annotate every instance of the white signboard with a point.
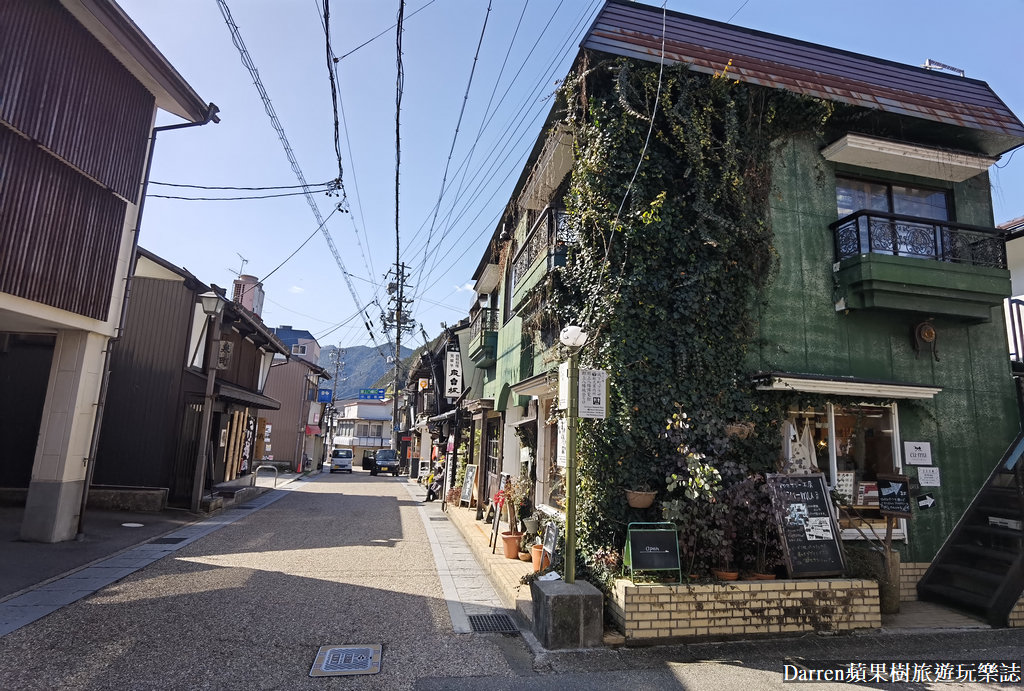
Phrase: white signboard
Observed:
(562, 456)
(453, 375)
(929, 476)
(563, 386)
(593, 387)
(918, 452)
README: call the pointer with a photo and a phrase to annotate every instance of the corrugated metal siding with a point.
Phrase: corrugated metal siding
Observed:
(59, 231)
(138, 442)
(62, 88)
(634, 30)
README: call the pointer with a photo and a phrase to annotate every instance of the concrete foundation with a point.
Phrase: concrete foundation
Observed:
(567, 615)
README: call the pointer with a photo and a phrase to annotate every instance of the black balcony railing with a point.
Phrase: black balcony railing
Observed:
(550, 233)
(875, 232)
(484, 320)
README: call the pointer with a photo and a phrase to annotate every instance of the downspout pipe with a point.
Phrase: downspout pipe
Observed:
(210, 116)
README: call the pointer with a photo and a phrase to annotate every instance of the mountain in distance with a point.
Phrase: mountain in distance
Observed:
(363, 366)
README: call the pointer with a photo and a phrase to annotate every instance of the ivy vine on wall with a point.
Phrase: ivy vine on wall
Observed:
(668, 286)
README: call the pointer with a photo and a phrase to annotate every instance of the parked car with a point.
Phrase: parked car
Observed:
(341, 459)
(385, 461)
(368, 459)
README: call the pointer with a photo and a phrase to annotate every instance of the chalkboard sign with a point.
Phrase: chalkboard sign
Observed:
(651, 547)
(495, 527)
(467, 486)
(894, 495)
(810, 536)
(550, 542)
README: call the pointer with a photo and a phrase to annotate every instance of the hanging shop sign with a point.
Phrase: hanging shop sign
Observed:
(593, 393)
(453, 374)
(424, 384)
(918, 452)
(894, 495)
(224, 354)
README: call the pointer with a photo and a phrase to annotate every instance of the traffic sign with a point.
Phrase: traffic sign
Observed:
(372, 394)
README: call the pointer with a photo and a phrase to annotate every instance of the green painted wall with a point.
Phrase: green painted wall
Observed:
(970, 422)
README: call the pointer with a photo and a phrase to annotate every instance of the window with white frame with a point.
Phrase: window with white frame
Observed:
(298, 349)
(851, 445)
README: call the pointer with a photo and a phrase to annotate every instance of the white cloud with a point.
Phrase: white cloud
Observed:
(295, 290)
(465, 287)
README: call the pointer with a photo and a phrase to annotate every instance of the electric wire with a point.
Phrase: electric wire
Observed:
(365, 43)
(232, 199)
(455, 137)
(557, 57)
(636, 171)
(247, 61)
(326, 16)
(247, 189)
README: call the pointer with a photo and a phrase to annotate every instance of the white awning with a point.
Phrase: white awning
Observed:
(845, 386)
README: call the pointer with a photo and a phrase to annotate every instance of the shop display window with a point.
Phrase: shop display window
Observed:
(851, 445)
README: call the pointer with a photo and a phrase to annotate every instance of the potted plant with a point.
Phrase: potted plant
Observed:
(640, 492)
(756, 543)
(692, 504)
(525, 542)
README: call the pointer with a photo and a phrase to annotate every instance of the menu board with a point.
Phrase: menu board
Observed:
(810, 536)
(467, 485)
(894, 495)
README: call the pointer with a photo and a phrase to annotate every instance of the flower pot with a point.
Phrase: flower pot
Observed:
(640, 500)
(725, 575)
(510, 543)
(761, 576)
(525, 556)
(540, 560)
(532, 525)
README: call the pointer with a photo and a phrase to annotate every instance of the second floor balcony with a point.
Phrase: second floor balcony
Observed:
(910, 264)
(483, 337)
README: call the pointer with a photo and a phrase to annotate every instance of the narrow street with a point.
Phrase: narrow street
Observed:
(333, 560)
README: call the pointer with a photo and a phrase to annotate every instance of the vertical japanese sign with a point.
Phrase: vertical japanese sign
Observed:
(563, 386)
(592, 388)
(453, 375)
(562, 455)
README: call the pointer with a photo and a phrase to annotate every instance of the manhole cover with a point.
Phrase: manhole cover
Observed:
(492, 623)
(439, 518)
(167, 540)
(343, 660)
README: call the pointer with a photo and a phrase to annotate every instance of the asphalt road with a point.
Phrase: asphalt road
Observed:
(346, 559)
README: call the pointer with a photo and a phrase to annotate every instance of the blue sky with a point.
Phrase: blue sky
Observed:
(501, 119)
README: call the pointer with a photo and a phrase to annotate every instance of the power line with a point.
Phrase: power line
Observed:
(232, 199)
(365, 43)
(248, 189)
(455, 138)
(247, 61)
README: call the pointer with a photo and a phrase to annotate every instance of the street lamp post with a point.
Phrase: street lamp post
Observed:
(574, 338)
(213, 306)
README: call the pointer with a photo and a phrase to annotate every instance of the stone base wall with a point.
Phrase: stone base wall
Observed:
(910, 574)
(652, 613)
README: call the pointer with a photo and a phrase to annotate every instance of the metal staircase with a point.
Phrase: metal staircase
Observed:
(980, 568)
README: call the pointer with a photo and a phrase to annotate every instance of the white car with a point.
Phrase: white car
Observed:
(341, 459)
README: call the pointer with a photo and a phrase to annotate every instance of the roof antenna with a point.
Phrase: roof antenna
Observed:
(930, 64)
(242, 269)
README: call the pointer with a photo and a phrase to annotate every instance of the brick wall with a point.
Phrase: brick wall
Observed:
(910, 574)
(1016, 618)
(647, 613)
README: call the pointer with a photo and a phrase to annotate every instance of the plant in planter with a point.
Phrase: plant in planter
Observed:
(756, 545)
(640, 489)
(692, 504)
(517, 500)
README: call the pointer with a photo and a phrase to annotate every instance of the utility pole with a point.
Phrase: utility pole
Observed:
(399, 319)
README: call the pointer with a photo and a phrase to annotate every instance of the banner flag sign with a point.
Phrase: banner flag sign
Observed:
(453, 375)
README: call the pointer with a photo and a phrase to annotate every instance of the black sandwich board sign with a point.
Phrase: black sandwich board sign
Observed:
(810, 536)
(651, 547)
(550, 543)
(467, 485)
(496, 526)
(894, 496)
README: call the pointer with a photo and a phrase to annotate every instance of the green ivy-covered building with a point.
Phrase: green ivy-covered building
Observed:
(786, 258)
